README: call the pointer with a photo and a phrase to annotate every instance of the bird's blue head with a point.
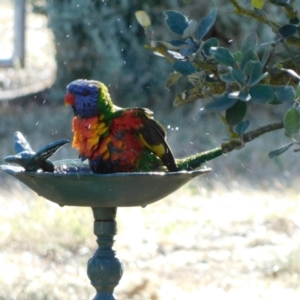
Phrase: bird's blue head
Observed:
(88, 98)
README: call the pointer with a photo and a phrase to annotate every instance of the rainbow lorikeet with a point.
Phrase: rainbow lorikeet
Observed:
(112, 138)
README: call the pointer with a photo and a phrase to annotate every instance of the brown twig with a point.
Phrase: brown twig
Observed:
(235, 144)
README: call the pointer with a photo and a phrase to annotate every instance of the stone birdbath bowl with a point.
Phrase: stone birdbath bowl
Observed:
(71, 182)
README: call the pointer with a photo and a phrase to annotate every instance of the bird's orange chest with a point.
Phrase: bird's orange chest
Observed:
(87, 133)
(115, 141)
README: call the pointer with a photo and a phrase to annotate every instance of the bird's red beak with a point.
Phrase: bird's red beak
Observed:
(69, 99)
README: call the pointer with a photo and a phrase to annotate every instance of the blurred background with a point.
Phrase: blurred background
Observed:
(101, 40)
(236, 230)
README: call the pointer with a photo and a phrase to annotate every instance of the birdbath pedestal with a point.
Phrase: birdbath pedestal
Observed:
(72, 183)
(104, 268)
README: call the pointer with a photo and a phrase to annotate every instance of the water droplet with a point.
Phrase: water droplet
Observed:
(169, 126)
(67, 35)
(36, 123)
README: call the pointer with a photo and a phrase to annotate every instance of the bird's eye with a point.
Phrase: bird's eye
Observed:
(85, 93)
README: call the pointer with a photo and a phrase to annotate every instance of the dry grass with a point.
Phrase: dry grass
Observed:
(204, 241)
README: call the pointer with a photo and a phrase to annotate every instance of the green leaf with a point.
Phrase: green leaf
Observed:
(247, 56)
(227, 77)
(184, 67)
(242, 127)
(253, 69)
(223, 56)
(143, 18)
(221, 103)
(249, 43)
(241, 95)
(259, 4)
(288, 30)
(238, 75)
(188, 51)
(236, 113)
(206, 23)
(261, 94)
(190, 30)
(298, 91)
(238, 56)
(212, 42)
(173, 78)
(294, 20)
(176, 21)
(291, 121)
(285, 93)
(274, 101)
(279, 151)
(258, 79)
(244, 96)
(266, 56)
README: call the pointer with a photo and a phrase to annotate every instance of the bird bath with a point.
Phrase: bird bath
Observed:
(72, 183)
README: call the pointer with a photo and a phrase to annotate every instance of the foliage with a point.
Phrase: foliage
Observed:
(101, 40)
(265, 73)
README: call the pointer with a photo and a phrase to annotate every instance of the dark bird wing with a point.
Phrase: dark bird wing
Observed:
(153, 136)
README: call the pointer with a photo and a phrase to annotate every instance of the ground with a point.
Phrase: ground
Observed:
(206, 240)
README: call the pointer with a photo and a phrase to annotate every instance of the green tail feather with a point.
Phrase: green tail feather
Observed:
(150, 162)
(195, 161)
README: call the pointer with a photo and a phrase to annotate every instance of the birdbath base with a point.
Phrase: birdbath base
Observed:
(104, 268)
(66, 182)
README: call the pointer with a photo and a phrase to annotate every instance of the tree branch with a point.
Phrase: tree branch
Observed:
(236, 144)
(292, 40)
